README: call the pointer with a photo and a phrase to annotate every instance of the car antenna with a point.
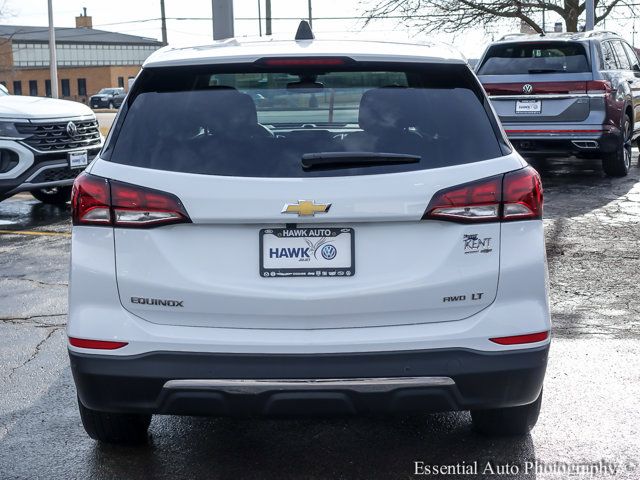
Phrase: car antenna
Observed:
(304, 31)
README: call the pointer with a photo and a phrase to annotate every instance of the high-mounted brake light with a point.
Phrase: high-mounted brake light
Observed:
(520, 339)
(98, 201)
(516, 195)
(302, 62)
(96, 344)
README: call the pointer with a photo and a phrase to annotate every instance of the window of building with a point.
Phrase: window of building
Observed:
(66, 88)
(47, 88)
(33, 88)
(82, 87)
(17, 87)
(121, 82)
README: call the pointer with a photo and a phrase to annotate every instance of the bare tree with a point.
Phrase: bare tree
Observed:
(455, 15)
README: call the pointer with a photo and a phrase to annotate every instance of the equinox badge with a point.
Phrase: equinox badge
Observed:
(306, 208)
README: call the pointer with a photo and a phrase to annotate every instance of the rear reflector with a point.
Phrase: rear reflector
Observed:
(515, 195)
(98, 201)
(520, 339)
(95, 344)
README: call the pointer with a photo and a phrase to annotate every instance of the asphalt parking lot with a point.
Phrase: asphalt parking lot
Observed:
(590, 416)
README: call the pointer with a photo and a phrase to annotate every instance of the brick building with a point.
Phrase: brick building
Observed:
(88, 59)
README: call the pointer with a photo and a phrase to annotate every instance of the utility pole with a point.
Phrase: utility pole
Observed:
(310, 15)
(222, 12)
(267, 15)
(53, 62)
(164, 23)
(259, 18)
(591, 11)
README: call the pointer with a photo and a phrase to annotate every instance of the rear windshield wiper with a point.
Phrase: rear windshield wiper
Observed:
(332, 160)
(547, 70)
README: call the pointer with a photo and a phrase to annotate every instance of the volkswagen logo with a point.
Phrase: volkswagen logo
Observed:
(527, 88)
(329, 252)
(72, 130)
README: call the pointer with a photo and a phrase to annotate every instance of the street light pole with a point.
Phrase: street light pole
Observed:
(53, 62)
(267, 15)
(222, 12)
(310, 15)
(259, 18)
(164, 23)
(590, 10)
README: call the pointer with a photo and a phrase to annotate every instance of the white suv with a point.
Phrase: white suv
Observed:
(307, 227)
(44, 144)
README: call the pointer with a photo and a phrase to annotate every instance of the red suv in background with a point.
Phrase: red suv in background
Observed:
(566, 94)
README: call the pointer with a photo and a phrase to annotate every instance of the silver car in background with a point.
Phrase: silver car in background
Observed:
(566, 94)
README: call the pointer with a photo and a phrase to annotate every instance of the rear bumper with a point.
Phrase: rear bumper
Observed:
(183, 383)
(568, 141)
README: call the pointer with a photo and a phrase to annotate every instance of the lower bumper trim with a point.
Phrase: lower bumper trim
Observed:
(258, 386)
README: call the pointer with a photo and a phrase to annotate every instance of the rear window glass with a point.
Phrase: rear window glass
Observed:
(527, 58)
(255, 121)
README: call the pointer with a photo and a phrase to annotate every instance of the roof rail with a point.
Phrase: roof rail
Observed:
(509, 36)
(595, 33)
(304, 31)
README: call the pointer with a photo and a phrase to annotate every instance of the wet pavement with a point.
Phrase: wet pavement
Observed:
(590, 419)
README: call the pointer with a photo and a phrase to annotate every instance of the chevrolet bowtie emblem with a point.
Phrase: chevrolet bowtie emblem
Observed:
(306, 208)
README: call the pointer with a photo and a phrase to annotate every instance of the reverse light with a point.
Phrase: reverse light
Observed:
(515, 195)
(520, 339)
(96, 344)
(99, 201)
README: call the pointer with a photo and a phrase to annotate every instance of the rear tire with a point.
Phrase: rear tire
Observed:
(53, 195)
(617, 163)
(117, 428)
(507, 421)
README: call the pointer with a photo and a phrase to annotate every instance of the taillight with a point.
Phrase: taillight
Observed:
(515, 195)
(90, 201)
(598, 86)
(135, 206)
(471, 202)
(522, 195)
(99, 201)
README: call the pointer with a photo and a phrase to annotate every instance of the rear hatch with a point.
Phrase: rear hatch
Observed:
(301, 195)
(531, 82)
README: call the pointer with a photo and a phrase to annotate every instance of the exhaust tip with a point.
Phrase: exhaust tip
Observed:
(585, 144)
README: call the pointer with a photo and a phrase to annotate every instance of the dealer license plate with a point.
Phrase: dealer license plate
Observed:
(528, 107)
(307, 252)
(78, 159)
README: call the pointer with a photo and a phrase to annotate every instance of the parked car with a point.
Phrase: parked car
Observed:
(108, 98)
(381, 251)
(566, 94)
(44, 144)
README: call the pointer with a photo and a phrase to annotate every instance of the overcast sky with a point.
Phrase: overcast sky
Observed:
(119, 16)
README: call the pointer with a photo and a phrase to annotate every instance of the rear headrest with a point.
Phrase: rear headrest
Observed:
(388, 109)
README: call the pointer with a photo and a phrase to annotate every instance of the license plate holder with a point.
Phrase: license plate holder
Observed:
(79, 159)
(307, 252)
(528, 107)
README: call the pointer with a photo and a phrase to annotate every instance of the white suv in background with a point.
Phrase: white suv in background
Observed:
(44, 145)
(307, 227)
